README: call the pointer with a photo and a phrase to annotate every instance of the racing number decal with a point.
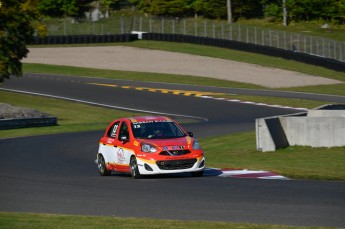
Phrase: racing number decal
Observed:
(113, 132)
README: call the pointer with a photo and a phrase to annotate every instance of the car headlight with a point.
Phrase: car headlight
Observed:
(196, 145)
(147, 148)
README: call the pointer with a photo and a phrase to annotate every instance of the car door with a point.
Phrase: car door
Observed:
(109, 143)
(123, 144)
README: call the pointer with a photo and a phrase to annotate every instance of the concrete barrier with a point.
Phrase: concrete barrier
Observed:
(321, 127)
(14, 123)
(270, 133)
(315, 131)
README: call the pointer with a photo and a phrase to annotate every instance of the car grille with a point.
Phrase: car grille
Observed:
(176, 164)
(174, 152)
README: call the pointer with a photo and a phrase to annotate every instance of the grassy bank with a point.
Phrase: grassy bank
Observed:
(239, 151)
(336, 89)
(30, 220)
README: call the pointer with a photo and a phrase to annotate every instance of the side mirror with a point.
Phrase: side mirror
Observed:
(190, 134)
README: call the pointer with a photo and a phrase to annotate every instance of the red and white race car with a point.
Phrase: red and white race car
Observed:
(149, 145)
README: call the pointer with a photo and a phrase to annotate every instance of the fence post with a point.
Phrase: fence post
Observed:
(263, 37)
(141, 24)
(150, 24)
(173, 26)
(239, 33)
(291, 43)
(305, 44)
(213, 31)
(205, 28)
(134, 22)
(230, 35)
(222, 31)
(64, 27)
(270, 37)
(122, 26)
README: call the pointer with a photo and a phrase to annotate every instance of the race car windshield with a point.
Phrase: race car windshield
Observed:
(157, 130)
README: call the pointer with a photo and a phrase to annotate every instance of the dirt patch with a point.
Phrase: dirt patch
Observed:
(8, 111)
(146, 60)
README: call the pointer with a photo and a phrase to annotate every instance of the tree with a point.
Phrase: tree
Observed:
(106, 5)
(215, 9)
(246, 9)
(62, 8)
(58, 8)
(306, 10)
(228, 6)
(16, 31)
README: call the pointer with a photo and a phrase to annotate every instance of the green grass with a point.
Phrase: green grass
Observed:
(312, 28)
(30, 220)
(127, 75)
(239, 151)
(72, 116)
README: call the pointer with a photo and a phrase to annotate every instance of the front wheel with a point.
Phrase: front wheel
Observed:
(102, 169)
(134, 168)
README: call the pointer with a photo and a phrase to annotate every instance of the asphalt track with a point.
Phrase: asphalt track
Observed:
(57, 173)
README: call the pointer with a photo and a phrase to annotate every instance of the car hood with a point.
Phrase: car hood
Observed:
(171, 144)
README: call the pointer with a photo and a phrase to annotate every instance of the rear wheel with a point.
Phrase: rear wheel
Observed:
(197, 174)
(102, 169)
(134, 168)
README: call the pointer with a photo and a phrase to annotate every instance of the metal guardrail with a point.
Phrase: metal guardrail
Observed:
(6, 124)
(301, 42)
(84, 39)
(224, 43)
(248, 47)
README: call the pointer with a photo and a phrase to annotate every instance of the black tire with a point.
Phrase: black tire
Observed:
(102, 169)
(134, 168)
(197, 174)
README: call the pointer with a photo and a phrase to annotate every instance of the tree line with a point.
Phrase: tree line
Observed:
(297, 10)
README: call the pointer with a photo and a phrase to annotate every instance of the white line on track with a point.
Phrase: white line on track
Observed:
(103, 105)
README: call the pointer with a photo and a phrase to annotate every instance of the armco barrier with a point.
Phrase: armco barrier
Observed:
(84, 39)
(248, 47)
(6, 124)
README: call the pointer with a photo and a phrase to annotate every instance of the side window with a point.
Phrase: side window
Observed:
(112, 130)
(124, 130)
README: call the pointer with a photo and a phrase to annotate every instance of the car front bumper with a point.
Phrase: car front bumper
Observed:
(151, 167)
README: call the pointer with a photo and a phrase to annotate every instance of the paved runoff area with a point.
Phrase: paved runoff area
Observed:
(147, 60)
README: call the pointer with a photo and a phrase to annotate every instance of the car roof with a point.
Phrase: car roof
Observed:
(150, 119)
